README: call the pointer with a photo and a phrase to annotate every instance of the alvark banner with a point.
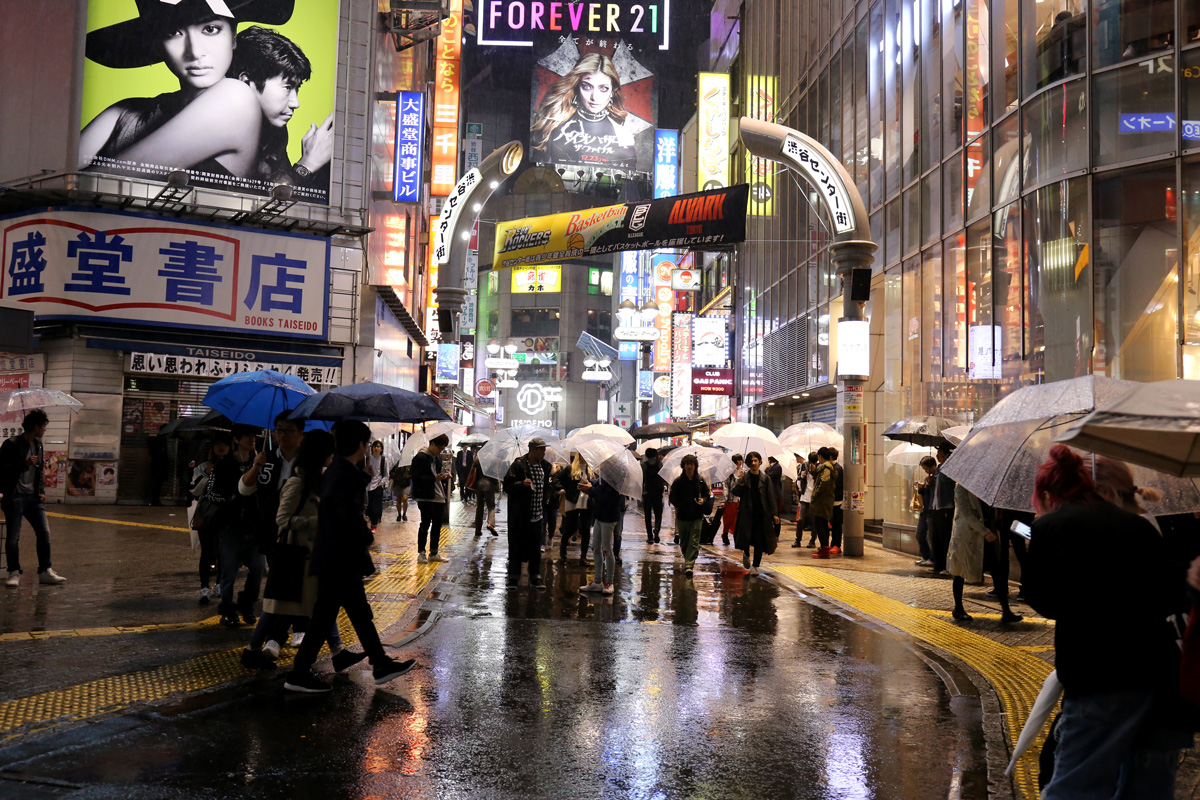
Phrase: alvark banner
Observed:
(715, 217)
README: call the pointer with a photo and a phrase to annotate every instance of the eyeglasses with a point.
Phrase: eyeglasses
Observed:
(282, 431)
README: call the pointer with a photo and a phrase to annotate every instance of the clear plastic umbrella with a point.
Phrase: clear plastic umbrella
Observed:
(908, 455)
(613, 462)
(21, 401)
(956, 434)
(473, 439)
(509, 444)
(419, 440)
(742, 437)
(808, 437)
(713, 464)
(648, 443)
(606, 430)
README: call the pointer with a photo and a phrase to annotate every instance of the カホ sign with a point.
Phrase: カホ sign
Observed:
(97, 265)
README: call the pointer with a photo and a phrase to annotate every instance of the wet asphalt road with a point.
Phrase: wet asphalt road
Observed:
(724, 686)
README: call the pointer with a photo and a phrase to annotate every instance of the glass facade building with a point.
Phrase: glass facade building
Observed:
(1032, 173)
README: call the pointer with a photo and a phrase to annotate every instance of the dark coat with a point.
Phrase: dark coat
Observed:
(570, 485)
(775, 473)
(520, 496)
(746, 533)
(235, 511)
(684, 494)
(425, 469)
(604, 501)
(13, 455)
(652, 482)
(343, 534)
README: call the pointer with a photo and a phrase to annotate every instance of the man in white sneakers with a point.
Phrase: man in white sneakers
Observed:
(23, 490)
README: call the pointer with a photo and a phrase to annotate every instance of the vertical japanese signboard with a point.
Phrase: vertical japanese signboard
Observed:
(666, 163)
(681, 366)
(91, 265)
(713, 114)
(444, 149)
(447, 363)
(760, 172)
(151, 105)
(410, 134)
(661, 264)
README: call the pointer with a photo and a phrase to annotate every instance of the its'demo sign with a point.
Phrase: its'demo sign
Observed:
(515, 23)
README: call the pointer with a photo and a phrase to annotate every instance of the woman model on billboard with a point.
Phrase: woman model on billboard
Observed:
(212, 123)
(582, 118)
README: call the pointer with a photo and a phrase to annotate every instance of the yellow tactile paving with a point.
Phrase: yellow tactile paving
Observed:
(121, 522)
(106, 695)
(24, 636)
(1017, 676)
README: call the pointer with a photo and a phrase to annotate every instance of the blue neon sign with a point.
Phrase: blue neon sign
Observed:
(410, 147)
(666, 163)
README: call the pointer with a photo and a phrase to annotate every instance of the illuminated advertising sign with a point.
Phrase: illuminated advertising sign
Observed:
(395, 254)
(713, 118)
(710, 342)
(447, 363)
(712, 381)
(629, 277)
(628, 351)
(410, 141)
(518, 23)
(693, 220)
(537, 279)
(685, 280)
(662, 348)
(446, 78)
(147, 110)
(666, 163)
(645, 384)
(760, 172)
(681, 366)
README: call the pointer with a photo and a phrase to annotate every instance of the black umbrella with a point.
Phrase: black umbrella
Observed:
(920, 430)
(195, 425)
(660, 430)
(371, 402)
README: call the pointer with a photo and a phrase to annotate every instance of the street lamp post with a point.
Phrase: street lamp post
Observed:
(852, 252)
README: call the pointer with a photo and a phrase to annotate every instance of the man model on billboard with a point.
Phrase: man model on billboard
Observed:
(581, 120)
(212, 123)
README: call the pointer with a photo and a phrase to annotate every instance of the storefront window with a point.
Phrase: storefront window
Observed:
(1055, 41)
(1007, 272)
(979, 176)
(951, 110)
(1056, 125)
(1006, 167)
(1059, 284)
(954, 309)
(862, 133)
(929, 139)
(912, 220)
(1137, 278)
(1191, 23)
(1132, 29)
(1134, 111)
(952, 195)
(891, 97)
(978, 68)
(931, 317)
(1189, 204)
(875, 103)
(931, 207)
(894, 213)
(1005, 56)
(909, 327)
(909, 92)
(982, 339)
(895, 405)
(538, 322)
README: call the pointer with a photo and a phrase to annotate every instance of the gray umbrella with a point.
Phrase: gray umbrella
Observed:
(920, 430)
(1156, 425)
(1076, 396)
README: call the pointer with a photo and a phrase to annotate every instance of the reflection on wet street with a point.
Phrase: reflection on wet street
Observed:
(724, 686)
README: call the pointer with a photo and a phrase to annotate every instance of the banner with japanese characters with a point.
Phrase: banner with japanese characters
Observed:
(96, 265)
(206, 367)
(238, 95)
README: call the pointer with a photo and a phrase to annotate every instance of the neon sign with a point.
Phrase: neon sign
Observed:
(410, 140)
(515, 23)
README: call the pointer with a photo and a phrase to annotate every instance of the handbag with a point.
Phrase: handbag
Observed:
(285, 581)
(916, 504)
(206, 509)
(469, 483)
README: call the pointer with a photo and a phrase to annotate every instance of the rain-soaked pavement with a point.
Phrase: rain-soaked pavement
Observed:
(721, 686)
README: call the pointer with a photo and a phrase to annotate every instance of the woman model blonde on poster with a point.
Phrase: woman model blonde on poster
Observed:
(212, 124)
(582, 117)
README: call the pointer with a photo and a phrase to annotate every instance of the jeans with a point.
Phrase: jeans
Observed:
(576, 521)
(1108, 749)
(689, 539)
(431, 525)
(28, 507)
(923, 531)
(606, 562)
(335, 592)
(802, 521)
(523, 549)
(653, 506)
(237, 549)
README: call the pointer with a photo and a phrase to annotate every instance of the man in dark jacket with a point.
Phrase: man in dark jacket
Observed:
(689, 495)
(462, 466)
(652, 494)
(527, 484)
(430, 490)
(340, 561)
(237, 524)
(22, 462)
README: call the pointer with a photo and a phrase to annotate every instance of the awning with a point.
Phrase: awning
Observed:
(388, 295)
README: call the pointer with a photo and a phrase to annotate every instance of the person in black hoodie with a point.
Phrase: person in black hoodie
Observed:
(238, 527)
(340, 561)
(1121, 726)
(527, 483)
(689, 497)
(652, 494)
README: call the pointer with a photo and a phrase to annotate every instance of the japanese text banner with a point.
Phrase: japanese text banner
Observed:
(123, 267)
(704, 219)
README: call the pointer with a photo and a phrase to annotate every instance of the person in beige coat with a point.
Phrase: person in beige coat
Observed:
(970, 537)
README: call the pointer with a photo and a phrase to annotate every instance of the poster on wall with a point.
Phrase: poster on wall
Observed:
(106, 473)
(594, 103)
(10, 422)
(55, 470)
(81, 478)
(156, 413)
(131, 416)
(239, 94)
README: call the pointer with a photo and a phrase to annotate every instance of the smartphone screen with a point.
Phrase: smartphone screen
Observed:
(1021, 529)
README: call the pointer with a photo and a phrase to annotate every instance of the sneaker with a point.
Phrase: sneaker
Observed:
(539, 584)
(754, 570)
(746, 562)
(344, 659)
(811, 543)
(249, 618)
(256, 659)
(51, 578)
(822, 552)
(649, 540)
(924, 562)
(297, 639)
(797, 544)
(391, 669)
(422, 558)
(230, 621)
(14, 579)
(594, 586)
(608, 588)
(205, 596)
(437, 557)
(306, 682)
(835, 550)
(511, 586)
(271, 650)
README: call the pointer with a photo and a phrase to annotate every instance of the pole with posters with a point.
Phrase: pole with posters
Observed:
(852, 252)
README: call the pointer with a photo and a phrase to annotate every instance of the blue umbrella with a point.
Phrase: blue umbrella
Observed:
(371, 402)
(256, 398)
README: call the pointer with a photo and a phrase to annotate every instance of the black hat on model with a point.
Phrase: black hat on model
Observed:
(137, 42)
